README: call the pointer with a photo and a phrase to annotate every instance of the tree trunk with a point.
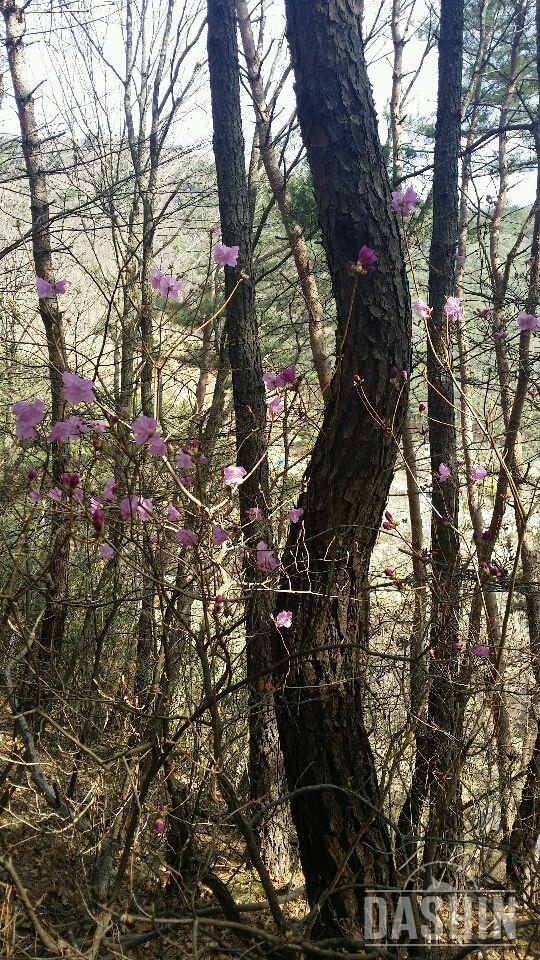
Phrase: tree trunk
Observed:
(278, 185)
(54, 617)
(266, 777)
(436, 772)
(343, 836)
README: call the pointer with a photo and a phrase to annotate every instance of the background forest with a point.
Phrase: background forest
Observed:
(270, 475)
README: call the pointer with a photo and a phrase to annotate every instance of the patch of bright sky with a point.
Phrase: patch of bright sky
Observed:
(75, 90)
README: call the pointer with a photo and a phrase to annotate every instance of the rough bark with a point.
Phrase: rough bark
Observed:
(436, 773)
(54, 617)
(526, 826)
(343, 836)
(266, 778)
(280, 190)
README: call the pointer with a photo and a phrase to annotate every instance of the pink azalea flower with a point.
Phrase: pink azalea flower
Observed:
(528, 321)
(270, 380)
(254, 513)
(499, 334)
(78, 493)
(422, 408)
(34, 496)
(98, 519)
(29, 415)
(136, 506)
(165, 284)
(144, 428)
(157, 446)
(71, 480)
(170, 288)
(422, 308)
(172, 513)
(64, 430)
(234, 476)
(106, 552)
(296, 514)
(226, 256)
(444, 472)
(109, 490)
(219, 600)
(388, 572)
(482, 652)
(47, 291)
(404, 203)
(159, 826)
(219, 535)
(156, 277)
(275, 407)
(265, 559)
(55, 494)
(477, 473)
(184, 461)
(284, 619)
(286, 377)
(99, 426)
(367, 258)
(188, 537)
(77, 389)
(453, 308)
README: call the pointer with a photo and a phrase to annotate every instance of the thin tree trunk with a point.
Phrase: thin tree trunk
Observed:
(54, 617)
(436, 773)
(266, 777)
(343, 836)
(526, 828)
(278, 185)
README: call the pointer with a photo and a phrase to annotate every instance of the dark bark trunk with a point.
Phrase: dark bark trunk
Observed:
(54, 617)
(266, 777)
(343, 836)
(436, 772)
(526, 828)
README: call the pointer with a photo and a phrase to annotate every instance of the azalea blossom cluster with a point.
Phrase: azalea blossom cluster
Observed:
(404, 202)
(165, 284)
(366, 262)
(278, 381)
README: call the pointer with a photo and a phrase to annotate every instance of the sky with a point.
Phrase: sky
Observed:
(66, 91)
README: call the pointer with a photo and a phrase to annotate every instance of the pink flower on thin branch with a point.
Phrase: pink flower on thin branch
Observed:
(528, 321)
(226, 256)
(422, 308)
(404, 202)
(28, 415)
(48, 291)
(265, 559)
(444, 472)
(234, 476)
(477, 473)
(187, 537)
(219, 535)
(76, 389)
(284, 619)
(453, 308)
